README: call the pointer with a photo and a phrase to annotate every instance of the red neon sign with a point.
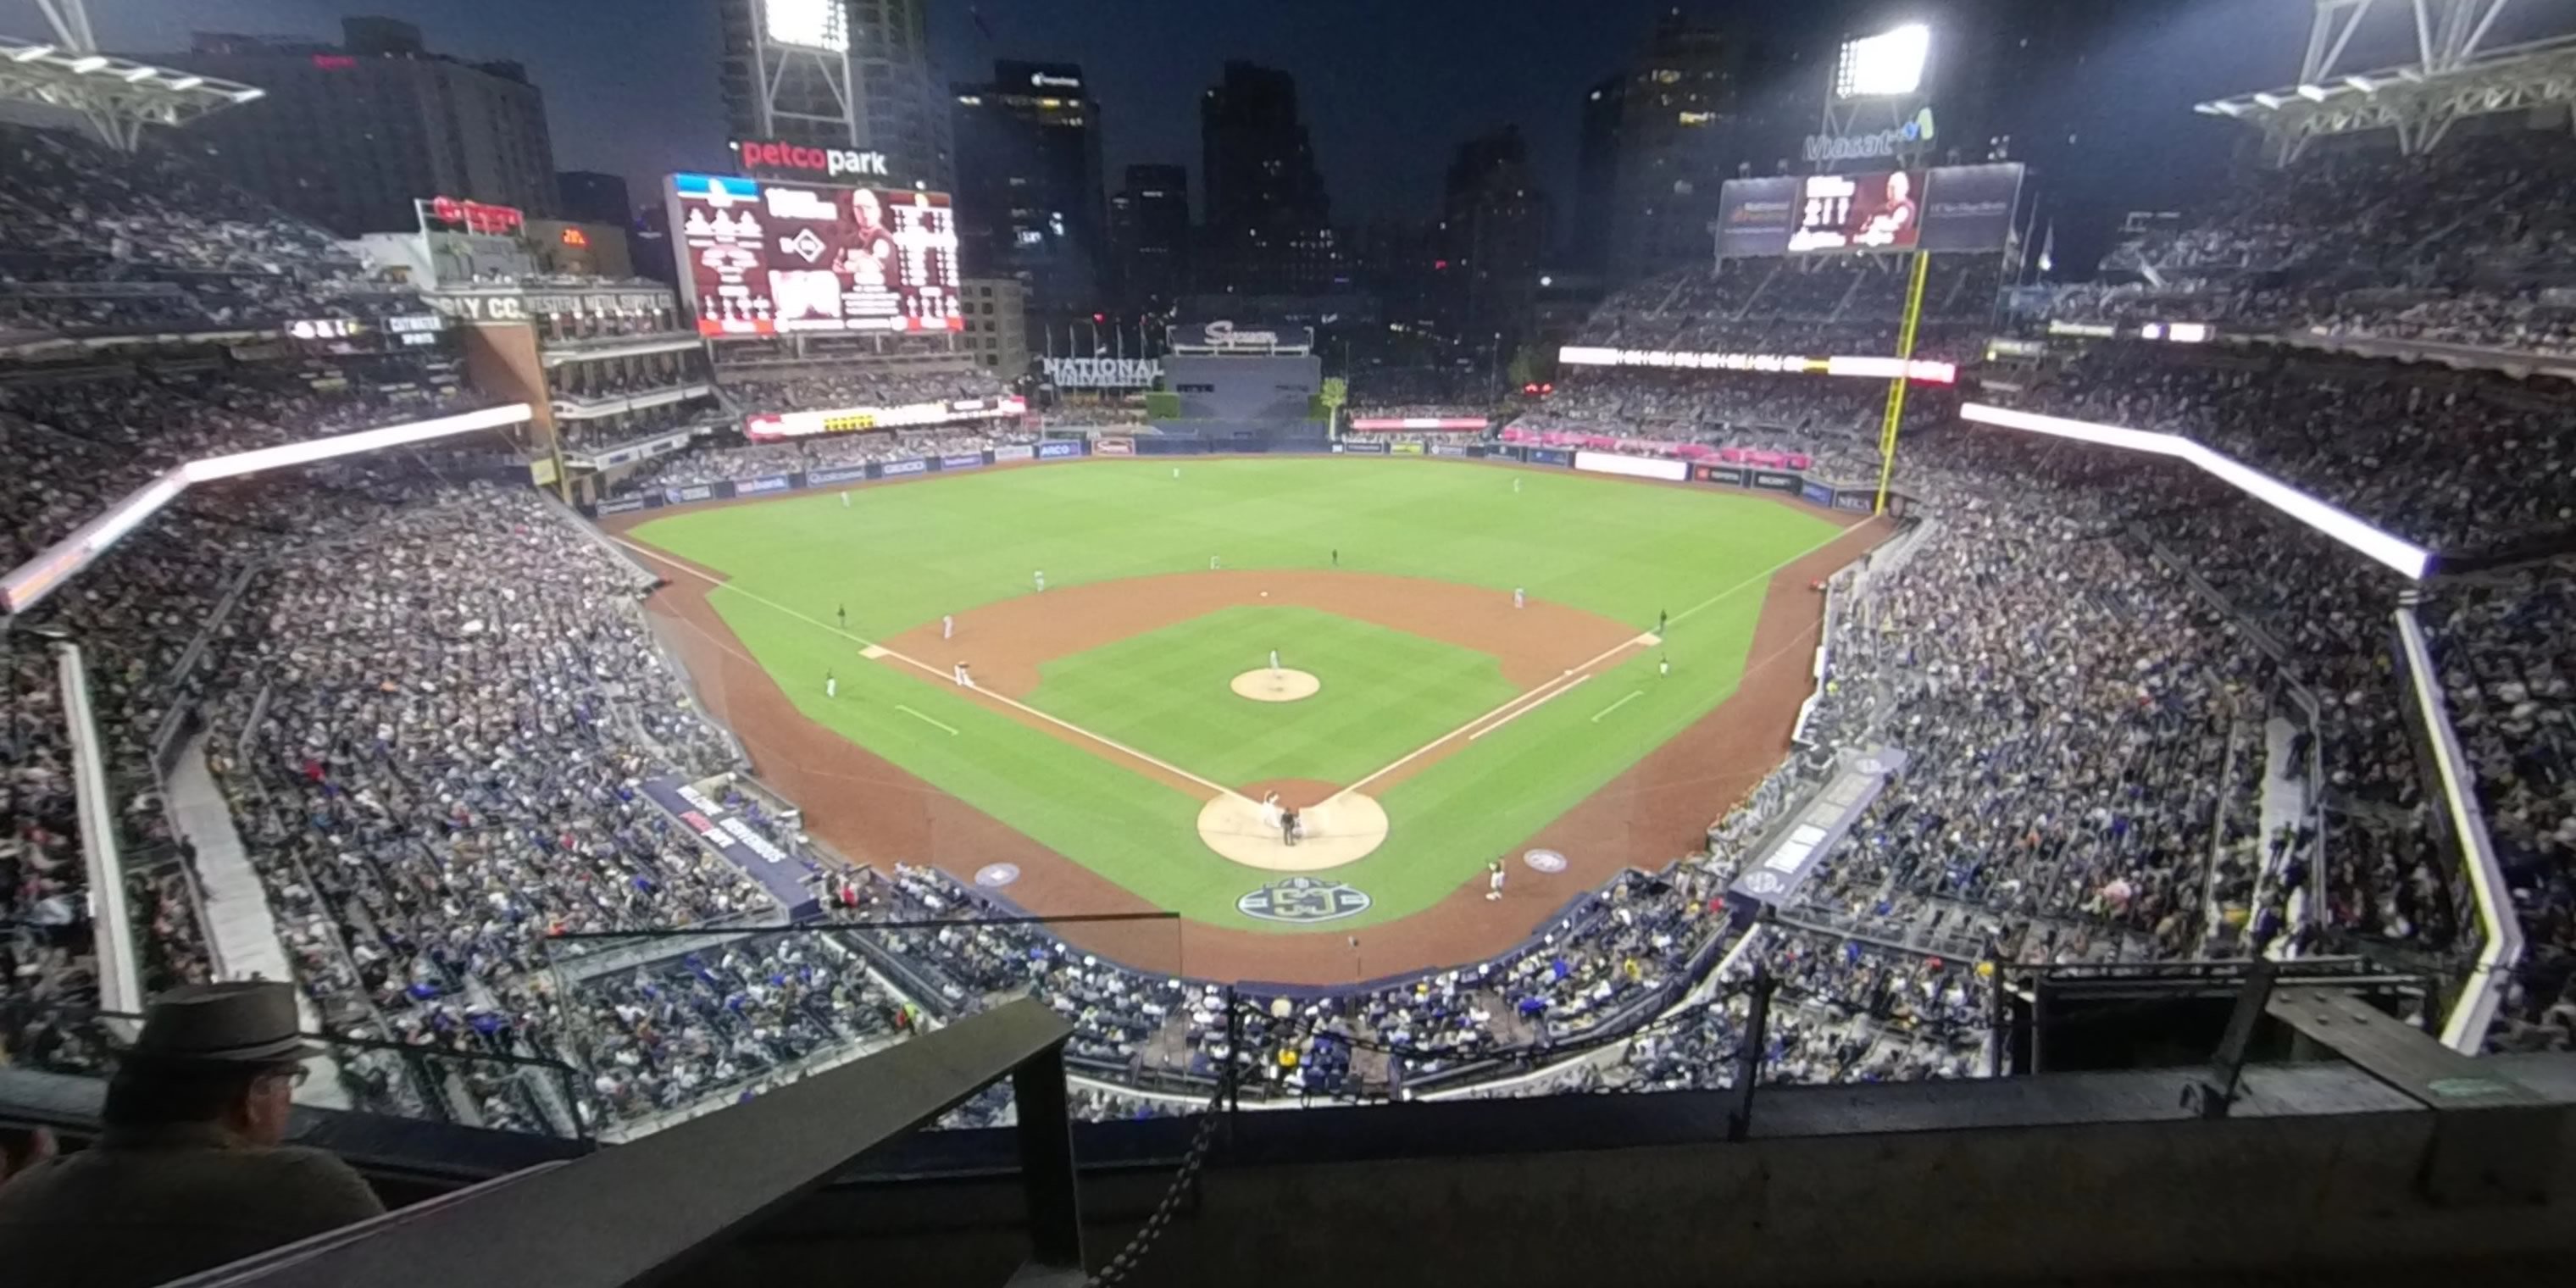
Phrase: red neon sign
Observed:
(575, 237)
(475, 216)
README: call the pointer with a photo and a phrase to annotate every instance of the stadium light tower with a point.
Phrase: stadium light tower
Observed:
(799, 85)
(1875, 108)
(116, 96)
(2452, 75)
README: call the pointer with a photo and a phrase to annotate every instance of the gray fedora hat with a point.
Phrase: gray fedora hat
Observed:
(241, 1022)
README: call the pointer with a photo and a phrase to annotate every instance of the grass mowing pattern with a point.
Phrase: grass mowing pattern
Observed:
(899, 556)
(1385, 693)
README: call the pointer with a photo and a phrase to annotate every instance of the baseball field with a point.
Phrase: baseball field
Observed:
(1127, 717)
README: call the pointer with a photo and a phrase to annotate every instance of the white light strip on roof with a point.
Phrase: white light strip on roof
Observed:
(2396, 552)
(38, 577)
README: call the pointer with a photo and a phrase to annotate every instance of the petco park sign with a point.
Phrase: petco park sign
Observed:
(776, 158)
(1103, 373)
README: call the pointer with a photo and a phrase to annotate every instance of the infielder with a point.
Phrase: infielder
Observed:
(831, 685)
(947, 626)
(844, 612)
(1520, 598)
(1664, 666)
(1211, 563)
(1041, 579)
(957, 674)
(1274, 661)
(1493, 882)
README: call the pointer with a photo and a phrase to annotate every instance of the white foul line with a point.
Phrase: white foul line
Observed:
(1502, 713)
(1632, 696)
(923, 718)
(1759, 577)
(1578, 681)
(1066, 725)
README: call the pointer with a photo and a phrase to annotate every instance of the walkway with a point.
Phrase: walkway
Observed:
(238, 924)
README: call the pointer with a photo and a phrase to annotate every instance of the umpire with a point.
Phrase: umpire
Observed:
(189, 1173)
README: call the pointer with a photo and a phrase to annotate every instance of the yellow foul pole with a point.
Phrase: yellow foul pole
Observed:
(1896, 387)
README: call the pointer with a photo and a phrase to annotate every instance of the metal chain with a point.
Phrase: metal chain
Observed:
(1133, 1255)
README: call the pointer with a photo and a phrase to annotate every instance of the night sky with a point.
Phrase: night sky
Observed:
(1387, 87)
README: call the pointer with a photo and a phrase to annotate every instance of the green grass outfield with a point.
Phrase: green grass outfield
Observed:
(899, 556)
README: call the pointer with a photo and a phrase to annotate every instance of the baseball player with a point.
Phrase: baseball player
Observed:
(947, 626)
(1211, 563)
(1493, 882)
(1337, 556)
(1041, 579)
(964, 676)
(1274, 661)
(831, 685)
(1662, 620)
(845, 500)
(1176, 471)
(1520, 598)
(957, 674)
(1664, 665)
(1516, 487)
(844, 613)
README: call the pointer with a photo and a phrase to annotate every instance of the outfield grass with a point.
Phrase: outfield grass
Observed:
(1385, 693)
(899, 556)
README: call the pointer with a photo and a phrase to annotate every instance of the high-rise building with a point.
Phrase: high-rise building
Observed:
(1679, 140)
(1028, 195)
(1493, 225)
(852, 74)
(350, 135)
(1596, 175)
(1149, 235)
(593, 198)
(1268, 229)
(997, 326)
(903, 112)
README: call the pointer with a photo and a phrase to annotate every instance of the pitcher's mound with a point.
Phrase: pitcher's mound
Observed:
(1266, 685)
(1341, 829)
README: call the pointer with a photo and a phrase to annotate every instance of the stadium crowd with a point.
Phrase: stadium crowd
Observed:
(717, 462)
(762, 390)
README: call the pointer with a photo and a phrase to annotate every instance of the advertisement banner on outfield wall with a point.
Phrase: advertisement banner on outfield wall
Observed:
(825, 478)
(1113, 447)
(1058, 451)
(1453, 449)
(1356, 448)
(1726, 474)
(1549, 456)
(1635, 467)
(701, 492)
(1772, 481)
(1816, 493)
(1855, 500)
(1014, 454)
(891, 469)
(1405, 449)
(961, 461)
(627, 505)
(774, 483)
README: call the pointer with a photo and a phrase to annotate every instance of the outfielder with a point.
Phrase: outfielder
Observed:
(831, 685)
(845, 500)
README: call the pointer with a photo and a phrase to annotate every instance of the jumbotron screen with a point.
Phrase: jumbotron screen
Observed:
(1858, 212)
(763, 257)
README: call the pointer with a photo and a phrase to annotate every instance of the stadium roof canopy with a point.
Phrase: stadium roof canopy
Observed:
(2451, 76)
(118, 96)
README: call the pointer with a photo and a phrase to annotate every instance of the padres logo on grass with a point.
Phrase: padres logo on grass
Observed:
(1303, 899)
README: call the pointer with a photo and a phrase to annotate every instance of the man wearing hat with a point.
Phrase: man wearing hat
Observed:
(189, 1173)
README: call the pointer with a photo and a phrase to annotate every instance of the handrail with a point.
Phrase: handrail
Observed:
(638, 1211)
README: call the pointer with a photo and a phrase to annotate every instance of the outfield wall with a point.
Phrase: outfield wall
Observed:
(1847, 498)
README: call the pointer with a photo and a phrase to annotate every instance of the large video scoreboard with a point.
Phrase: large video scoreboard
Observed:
(766, 257)
(1948, 208)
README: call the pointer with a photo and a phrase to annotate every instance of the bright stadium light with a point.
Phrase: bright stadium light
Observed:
(2405, 556)
(1883, 65)
(811, 24)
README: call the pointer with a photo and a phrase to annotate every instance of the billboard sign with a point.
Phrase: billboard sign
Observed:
(779, 159)
(1102, 373)
(1225, 336)
(1858, 212)
(760, 257)
(806, 424)
(1951, 208)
